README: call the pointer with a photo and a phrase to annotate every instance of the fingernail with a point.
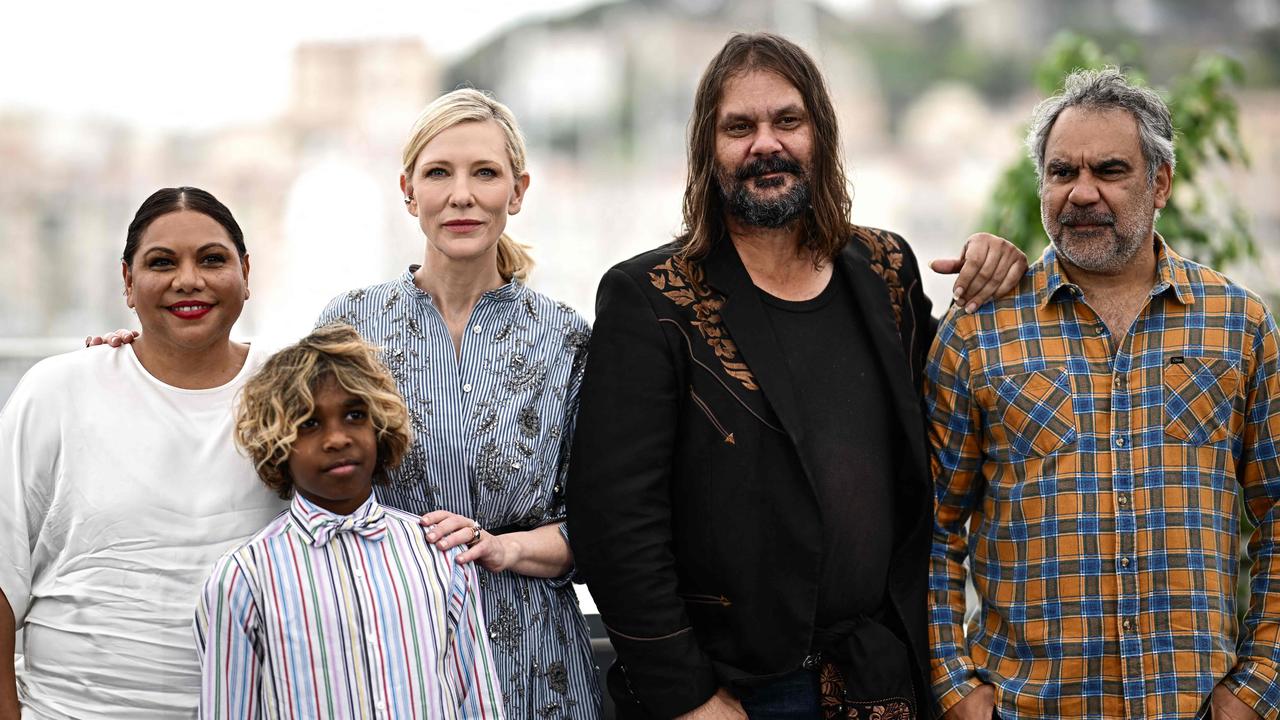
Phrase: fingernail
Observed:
(970, 307)
(957, 293)
(431, 536)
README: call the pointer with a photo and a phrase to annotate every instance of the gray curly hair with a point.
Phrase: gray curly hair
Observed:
(1108, 89)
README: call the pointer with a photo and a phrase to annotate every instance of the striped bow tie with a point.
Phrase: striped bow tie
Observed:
(372, 526)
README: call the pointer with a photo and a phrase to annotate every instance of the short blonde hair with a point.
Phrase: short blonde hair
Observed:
(468, 105)
(281, 394)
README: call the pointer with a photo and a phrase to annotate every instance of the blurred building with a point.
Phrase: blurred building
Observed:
(69, 188)
(931, 111)
(604, 98)
(314, 190)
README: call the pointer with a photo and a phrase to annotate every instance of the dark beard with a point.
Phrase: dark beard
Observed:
(772, 213)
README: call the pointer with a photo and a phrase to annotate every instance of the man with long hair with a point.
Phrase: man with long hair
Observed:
(749, 491)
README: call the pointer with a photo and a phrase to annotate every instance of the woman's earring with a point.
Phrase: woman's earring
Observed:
(407, 199)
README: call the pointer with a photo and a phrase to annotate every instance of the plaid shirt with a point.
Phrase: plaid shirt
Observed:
(1092, 485)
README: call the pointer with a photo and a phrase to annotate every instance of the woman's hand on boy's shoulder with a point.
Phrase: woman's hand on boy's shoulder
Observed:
(114, 339)
(447, 530)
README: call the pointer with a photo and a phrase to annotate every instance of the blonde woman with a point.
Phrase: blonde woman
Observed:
(490, 371)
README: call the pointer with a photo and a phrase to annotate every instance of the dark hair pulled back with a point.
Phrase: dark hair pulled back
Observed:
(169, 200)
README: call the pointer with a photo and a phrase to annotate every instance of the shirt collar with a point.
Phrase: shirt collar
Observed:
(1171, 274)
(512, 290)
(319, 525)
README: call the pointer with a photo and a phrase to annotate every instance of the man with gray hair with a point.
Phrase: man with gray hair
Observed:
(1090, 434)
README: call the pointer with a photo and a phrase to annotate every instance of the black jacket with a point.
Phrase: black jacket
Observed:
(701, 551)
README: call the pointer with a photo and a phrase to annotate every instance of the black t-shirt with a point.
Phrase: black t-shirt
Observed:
(849, 437)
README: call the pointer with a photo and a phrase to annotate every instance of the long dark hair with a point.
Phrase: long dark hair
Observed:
(826, 223)
(168, 200)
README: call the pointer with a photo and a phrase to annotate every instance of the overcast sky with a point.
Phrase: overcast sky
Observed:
(161, 63)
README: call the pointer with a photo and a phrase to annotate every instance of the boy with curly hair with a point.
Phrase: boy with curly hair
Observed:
(340, 607)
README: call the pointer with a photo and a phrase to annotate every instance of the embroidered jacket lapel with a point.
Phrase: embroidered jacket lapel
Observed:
(744, 316)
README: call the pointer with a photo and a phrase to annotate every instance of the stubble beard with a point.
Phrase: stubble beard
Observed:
(775, 212)
(1107, 250)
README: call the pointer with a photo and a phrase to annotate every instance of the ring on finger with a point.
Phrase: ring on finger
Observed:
(475, 538)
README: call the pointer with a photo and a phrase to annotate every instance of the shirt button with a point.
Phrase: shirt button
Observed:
(1126, 625)
(1120, 442)
(477, 329)
(379, 704)
(466, 387)
(358, 573)
(1099, 330)
(1123, 500)
(1124, 562)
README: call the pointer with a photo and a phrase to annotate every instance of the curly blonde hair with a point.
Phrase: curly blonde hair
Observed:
(280, 395)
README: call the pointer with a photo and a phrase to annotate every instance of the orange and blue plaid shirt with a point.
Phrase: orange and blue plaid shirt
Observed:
(1091, 483)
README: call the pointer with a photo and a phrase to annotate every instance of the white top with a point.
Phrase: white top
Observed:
(117, 494)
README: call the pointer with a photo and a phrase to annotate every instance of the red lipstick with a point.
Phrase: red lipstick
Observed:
(190, 310)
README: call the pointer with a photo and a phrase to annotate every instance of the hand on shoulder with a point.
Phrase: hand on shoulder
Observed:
(988, 267)
(115, 339)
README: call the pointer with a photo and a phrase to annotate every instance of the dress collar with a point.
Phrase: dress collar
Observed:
(512, 290)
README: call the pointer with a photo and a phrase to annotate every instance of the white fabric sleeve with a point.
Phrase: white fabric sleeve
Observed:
(29, 452)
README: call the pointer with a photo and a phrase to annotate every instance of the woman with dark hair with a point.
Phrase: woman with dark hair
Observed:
(119, 486)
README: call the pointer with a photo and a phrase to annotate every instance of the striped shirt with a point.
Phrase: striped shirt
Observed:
(1091, 483)
(492, 424)
(323, 616)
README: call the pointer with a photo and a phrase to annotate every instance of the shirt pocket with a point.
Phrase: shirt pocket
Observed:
(1035, 410)
(1199, 398)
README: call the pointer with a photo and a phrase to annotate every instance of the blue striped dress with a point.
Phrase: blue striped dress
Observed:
(492, 428)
